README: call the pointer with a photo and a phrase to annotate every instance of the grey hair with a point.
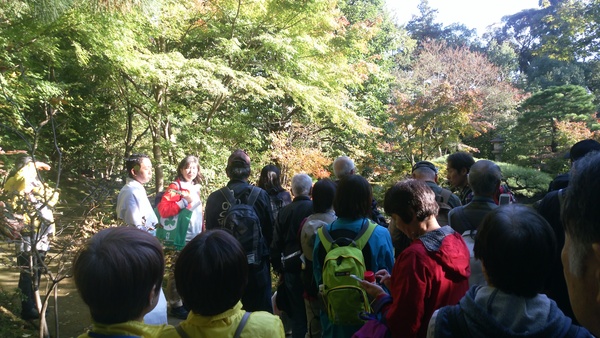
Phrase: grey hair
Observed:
(484, 178)
(581, 215)
(301, 184)
(424, 174)
(343, 166)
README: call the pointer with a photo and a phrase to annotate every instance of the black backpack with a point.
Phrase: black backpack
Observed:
(243, 223)
(442, 201)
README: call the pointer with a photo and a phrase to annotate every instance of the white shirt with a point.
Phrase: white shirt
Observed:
(134, 208)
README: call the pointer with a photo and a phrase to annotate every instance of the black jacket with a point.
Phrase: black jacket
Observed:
(285, 237)
(214, 213)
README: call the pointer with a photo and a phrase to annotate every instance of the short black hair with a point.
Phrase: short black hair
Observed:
(134, 160)
(323, 193)
(460, 160)
(410, 197)
(115, 272)
(211, 272)
(238, 165)
(353, 197)
(517, 248)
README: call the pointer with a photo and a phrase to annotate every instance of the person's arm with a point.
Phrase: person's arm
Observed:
(410, 283)
(263, 209)
(385, 251)
(172, 201)
(277, 248)
(130, 211)
(212, 210)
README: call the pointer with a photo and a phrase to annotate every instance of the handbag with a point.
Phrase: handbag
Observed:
(172, 231)
(373, 328)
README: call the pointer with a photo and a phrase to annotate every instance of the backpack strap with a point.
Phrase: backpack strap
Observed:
(445, 196)
(230, 197)
(364, 234)
(253, 196)
(228, 194)
(241, 325)
(361, 239)
(180, 331)
(460, 213)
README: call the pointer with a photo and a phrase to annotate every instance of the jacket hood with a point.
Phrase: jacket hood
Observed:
(449, 250)
(490, 312)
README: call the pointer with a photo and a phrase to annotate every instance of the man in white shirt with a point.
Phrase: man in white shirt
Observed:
(134, 208)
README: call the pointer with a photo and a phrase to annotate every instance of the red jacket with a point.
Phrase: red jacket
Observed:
(432, 272)
(168, 203)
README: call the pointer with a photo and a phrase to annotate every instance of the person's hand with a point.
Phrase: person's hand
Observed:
(42, 166)
(384, 278)
(372, 289)
(186, 195)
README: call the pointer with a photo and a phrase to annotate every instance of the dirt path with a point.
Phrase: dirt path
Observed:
(73, 315)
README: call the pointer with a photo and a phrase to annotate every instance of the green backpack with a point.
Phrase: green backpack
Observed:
(344, 298)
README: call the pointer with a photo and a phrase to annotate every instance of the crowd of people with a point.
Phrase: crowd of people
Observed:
(440, 265)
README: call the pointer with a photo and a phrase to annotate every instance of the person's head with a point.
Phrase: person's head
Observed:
(514, 240)
(581, 253)
(25, 176)
(139, 168)
(270, 178)
(211, 273)
(425, 171)
(323, 193)
(582, 148)
(410, 200)
(343, 166)
(301, 185)
(353, 197)
(119, 273)
(457, 168)
(238, 165)
(188, 169)
(21, 162)
(485, 178)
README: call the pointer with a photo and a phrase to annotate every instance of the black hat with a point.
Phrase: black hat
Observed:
(425, 164)
(581, 148)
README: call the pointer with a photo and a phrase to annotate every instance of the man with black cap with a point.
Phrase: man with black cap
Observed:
(257, 296)
(427, 172)
(550, 208)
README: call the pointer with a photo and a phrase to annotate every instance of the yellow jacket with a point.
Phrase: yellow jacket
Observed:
(260, 324)
(131, 328)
